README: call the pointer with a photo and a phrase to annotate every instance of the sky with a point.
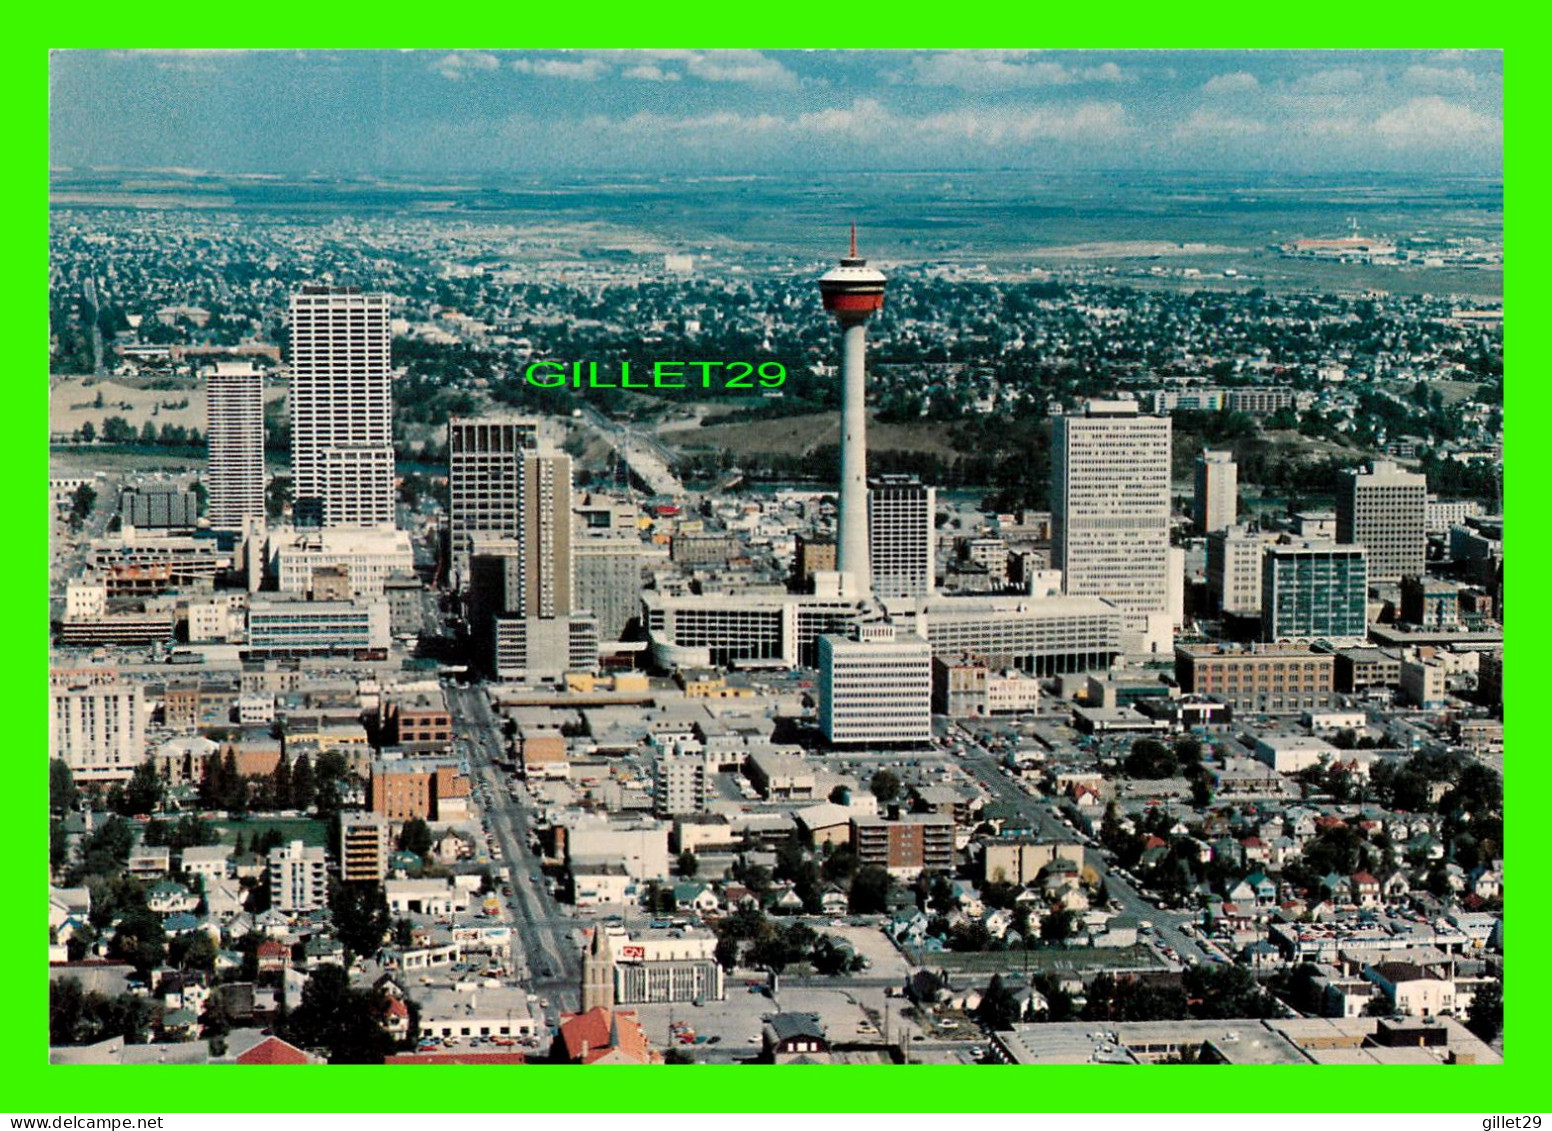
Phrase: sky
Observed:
(782, 112)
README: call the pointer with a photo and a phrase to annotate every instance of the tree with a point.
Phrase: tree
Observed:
(343, 1021)
(303, 790)
(88, 432)
(870, 890)
(82, 501)
(1056, 927)
(1485, 1017)
(688, 864)
(1150, 759)
(415, 837)
(885, 786)
(726, 952)
(280, 783)
(139, 940)
(999, 1009)
(360, 916)
(62, 791)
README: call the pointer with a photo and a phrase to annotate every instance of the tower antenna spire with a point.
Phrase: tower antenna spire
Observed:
(853, 240)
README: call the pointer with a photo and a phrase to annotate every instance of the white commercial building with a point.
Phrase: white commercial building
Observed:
(639, 847)
(679, 784)
(370, 557)
(341, 407)
(876, 690)
(1110, 505)
(277, 626)
(96, 728)
(298, 878)
(234, 432)
(1234, 570)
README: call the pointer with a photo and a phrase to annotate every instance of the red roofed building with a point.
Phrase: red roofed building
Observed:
(396, 1017)
(274, 955)
(272, 1050)
(602, 1036)
(1366, 890)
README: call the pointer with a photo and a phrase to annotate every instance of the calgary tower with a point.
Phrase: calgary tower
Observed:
(852, 291)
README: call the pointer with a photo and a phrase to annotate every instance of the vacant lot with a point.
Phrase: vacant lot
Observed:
(309, 832)
(796, 435)
(74, 400)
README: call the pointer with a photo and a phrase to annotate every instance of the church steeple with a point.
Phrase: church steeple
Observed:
(598, 972)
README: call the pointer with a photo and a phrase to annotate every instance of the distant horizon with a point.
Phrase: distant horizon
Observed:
(706, 113)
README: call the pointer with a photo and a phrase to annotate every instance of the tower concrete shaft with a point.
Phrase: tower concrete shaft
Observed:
(852, 543)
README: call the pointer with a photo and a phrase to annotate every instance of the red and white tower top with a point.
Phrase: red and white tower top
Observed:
(853, 290)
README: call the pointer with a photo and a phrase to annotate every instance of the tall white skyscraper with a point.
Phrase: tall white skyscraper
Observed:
(1385, 510)
(234, 435)
(341, 408)
(484, 464)
(1215, 501)
(900, 536)
(1110, 505)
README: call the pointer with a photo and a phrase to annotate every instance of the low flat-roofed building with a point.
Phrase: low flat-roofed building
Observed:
(781, 776)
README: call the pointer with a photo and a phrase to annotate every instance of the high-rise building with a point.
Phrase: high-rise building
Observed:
(96, 725)
(298, 878)
(544, 488)
(1385, 510)
(608, 581)
(1215, 501)
(1110, 505)
(1314, 591)
(900, 536)
(234, 436)
(484, 465)
(852, 291)
(875, 690)
(341, 408)
(1234, 571)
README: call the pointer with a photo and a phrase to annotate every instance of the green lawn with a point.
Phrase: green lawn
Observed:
(305, 829)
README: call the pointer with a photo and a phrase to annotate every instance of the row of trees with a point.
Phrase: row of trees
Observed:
(117, 430)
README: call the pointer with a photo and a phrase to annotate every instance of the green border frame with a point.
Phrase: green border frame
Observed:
(33, 1086)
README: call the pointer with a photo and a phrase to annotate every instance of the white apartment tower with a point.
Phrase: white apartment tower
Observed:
(1215, 501)
(298, 878)
(1110, 505)
(875, 690)
(234, 436)
(900, 536)
(341, 408)
(679, 785)
(484, 464)
(1385, 510)
(96, 726)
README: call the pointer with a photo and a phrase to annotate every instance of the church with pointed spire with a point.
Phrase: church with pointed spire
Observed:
(598, 972)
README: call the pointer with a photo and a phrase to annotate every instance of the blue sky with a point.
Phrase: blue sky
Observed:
(479, 111)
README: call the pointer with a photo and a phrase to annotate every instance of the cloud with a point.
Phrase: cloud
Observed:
(868, 124)
(650, 72)
(996, 70)
(1212, 124)
(457, 64)
(1232, 83)
(1439, 78)
(1433, 121)
(750, 67)
(585, 69)
(1331, 81)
